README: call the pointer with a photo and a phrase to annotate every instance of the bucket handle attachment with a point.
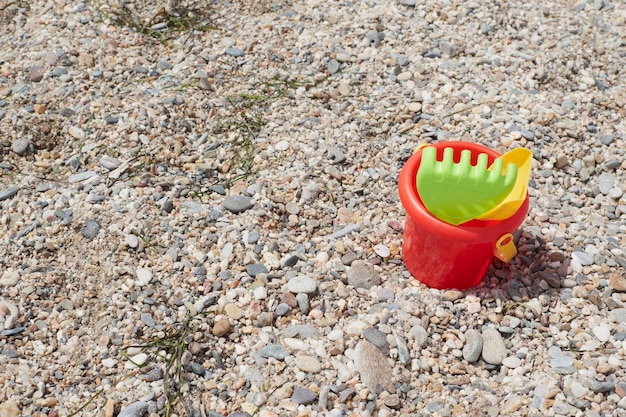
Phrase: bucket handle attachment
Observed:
(505, 248)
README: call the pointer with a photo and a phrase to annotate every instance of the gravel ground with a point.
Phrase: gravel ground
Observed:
(214, 214)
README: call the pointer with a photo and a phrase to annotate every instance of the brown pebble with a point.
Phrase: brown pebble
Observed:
(289, 299)
(109, 408)
(221, 327)
(617, 282)
(393, 401)
(604, 368)
(195, 348)
(40, 108)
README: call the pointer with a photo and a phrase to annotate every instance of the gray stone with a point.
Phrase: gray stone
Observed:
(449, 49)
(111, 120)
(9, 192)
(473, 345)
(600, 386)
(403, 350)
(362, 275)
(619, 314)
(236, 52)
(561, 362)
(376, 337)
(304, 331)
(167, 206)
(333, 66)
(494, 349)
(282, 309)
(274, 351)
(552, 279)
(20, 146)
(303, 396)
(310, 192)
(255, 269)
(420, 335)
(607, 139)
(237, 204)
(527, 134)
(606, 182)
(90, 229)
(148, 320)
(583, 258)
(303, 303)
(376, 372)
(138, 409)
(109, 162)
(302, 284)
(81, 176)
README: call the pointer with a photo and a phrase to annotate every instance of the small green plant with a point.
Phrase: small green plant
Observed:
(248, 120)
(164, 23)
(170, 349)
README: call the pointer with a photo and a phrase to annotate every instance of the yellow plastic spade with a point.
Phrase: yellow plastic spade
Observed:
(523, 159)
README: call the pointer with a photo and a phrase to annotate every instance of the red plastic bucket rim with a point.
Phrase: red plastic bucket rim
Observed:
(474, 230)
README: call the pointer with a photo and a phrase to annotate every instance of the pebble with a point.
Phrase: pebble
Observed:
(221, 327)
(382, 250)
(37, 73)
(512, 404)
(303, 303)
(403, 351)
(10, 277)
(333, 66)
(308, 364)
(600, 386)
(10, 408)
(617, 282)
(473, 345)
(238, 204)
(282, 309)
(494, 350)
(302, 284)
(233, 311)
(20, 146)
(362, 275)
(236, 52)
(109, 162)
(256, 269)
(274, 351)
(9, 192)
(582, 257)
(512, 362)
(376, 337)
(372, 365)
(619, 314)
(606, 182)
(144, 276)
(131, 240)
(303, 396)
(76, 132)
(420, 335)
(90, 229)
(81, 176)
(602, 332)
(138, 409)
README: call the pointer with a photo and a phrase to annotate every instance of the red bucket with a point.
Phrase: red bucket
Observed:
(441, 255)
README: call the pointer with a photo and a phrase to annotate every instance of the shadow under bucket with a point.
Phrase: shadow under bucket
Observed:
(441, 255)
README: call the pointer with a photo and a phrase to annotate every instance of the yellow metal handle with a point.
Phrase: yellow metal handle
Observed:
(505, 248)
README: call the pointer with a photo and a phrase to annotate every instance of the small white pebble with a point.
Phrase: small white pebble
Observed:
(382, 251)
(602, 332)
